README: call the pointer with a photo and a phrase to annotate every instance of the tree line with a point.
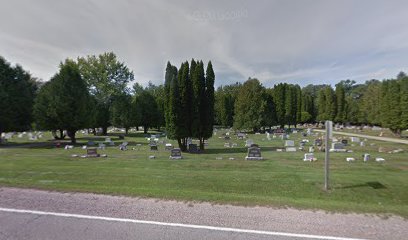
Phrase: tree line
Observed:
(252, 106)
(93, 92)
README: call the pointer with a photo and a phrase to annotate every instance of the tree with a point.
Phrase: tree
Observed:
(122, 115)
(404, 102)
(68, 101)
(269, 115)
(17, 92)
(341, 103)
(370, 102)
(279, 94)
(249, 106)
(148, 110)
(225, 97)
(106, 77)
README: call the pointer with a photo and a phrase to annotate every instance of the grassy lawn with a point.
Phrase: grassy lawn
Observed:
(281, 180)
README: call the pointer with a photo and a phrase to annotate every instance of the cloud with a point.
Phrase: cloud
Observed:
(293, 41)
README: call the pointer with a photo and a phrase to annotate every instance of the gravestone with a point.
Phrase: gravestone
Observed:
(366, 157)
(168, 146)
(192, 148)
(289, 143)
(249, 142)
(362, 144)
(344, 141)
(337, 147)
(290, 149)
(227, 145)
(91, 143)
(355, 139)
(227, 138)
(153, 148)
(254, 153)
(254, 145)
(241, 136)
(92, 152)
(318, 142)
(123, 146)
(102, 146)
(108, 140)
(311, 149)
(175, 153)
(309, 157)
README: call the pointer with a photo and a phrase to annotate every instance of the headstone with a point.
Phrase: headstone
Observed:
(108, 140)
(92, 152)
(241, 136)
(123, 146)
(254, 153)
(355, 139)
(175, 153)
(309, 157)
(318, 142)
(379, 159)
(69, 147)
(362, 144)
(168, 146)
(309, 131)
(227, 145)
(91, 143)
(366, 157)
(192, 148)
(350, 159)
(227, 138)
(289, 143)
(249, 142)
(153, 148)
(290, 149)
(344, 141)
(102, 146)
(311, 149)
(337, 147)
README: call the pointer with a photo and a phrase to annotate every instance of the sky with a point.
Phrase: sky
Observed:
(300, 42)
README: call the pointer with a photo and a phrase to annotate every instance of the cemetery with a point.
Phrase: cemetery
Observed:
(290, 173)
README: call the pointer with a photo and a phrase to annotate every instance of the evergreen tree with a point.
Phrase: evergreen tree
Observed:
(279, 94)
(17, 92)
(250, 106)
(341, 103)
(68, 97)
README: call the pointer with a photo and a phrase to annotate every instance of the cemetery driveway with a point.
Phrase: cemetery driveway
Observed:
(36, 214)
(386, 139)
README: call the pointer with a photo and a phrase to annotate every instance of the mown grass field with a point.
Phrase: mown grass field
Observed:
(281, 180)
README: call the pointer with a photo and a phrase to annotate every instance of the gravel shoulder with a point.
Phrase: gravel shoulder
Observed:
(256, 218)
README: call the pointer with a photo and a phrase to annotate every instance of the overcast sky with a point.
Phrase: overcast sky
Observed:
(301, 41)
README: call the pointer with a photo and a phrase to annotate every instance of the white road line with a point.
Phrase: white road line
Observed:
(126, 220)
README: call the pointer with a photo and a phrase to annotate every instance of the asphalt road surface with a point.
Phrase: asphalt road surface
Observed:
(34, 214)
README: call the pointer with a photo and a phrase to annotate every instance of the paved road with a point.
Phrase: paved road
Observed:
(34, 214)
(386, 139)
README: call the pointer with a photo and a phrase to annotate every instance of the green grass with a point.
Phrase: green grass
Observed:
(281, 180)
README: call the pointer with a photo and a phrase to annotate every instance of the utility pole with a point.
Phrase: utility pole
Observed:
(329, 130)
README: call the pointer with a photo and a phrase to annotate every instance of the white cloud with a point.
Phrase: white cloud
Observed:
(295, 41)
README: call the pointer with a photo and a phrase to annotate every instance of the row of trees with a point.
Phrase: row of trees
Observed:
(252, 106)
(17, 91)
(189, 102)
(92, 92)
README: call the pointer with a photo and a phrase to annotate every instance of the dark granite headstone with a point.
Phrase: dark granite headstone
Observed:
(192, 148)
(254, 153)
(175, 153)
